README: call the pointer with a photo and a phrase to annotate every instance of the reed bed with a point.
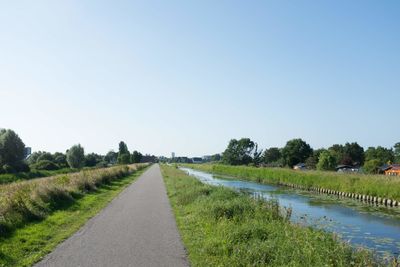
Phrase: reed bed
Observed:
(23, 202)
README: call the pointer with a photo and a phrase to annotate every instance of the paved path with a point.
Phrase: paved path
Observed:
(137, 229)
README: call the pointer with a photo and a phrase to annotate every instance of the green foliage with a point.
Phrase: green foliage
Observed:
(45, 156)
(92, 159)
(397, 152)
(240, 152)
(31, 242)
(327, 161)
(124, 158)
(123, 148)
(60, 159)
(12, 152)
(296, 151)
(45, 165)
(379, 154)
(221, 227)
(136, 157)
(111, 157)
(372, 166)
(373, 185)
(76, 157)
(272, 155)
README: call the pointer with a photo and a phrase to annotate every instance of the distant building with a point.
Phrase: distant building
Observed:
(300, 166)
(197, 160)
(27, 151)
(173, 155)
(347, 168)
(392, 170)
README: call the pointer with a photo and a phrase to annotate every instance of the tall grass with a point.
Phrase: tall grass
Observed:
(373, 185)
(221, 227)
(15, 177)
(26, 201)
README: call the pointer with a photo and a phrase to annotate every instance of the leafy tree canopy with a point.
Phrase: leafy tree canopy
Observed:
(296, 151)
(76, 156)
(240, 152)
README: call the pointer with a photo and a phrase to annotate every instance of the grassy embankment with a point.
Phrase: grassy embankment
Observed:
(221, 227)
(372, 185)
(37, 215)
(15, 177)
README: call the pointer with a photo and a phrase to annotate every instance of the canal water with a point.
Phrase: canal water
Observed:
(374, 227)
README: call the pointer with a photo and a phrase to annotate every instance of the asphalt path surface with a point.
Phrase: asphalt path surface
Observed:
(137, 228)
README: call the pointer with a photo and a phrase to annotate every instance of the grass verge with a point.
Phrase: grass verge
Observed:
(221, 227)
(372, 185)
(28, 244)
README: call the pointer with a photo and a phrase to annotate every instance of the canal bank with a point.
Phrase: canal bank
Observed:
(373, 227)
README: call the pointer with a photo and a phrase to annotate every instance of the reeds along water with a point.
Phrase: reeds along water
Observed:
(26, 201)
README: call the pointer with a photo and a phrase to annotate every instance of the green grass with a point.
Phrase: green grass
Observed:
(15, 177)
(221, 227)
(29, 244)
(373, 185)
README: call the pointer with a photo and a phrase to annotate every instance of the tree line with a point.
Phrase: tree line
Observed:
(246, 152)
(13, 157)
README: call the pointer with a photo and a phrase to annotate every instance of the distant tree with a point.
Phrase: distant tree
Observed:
(355, 152)
(60, 159)
(124, 159)
(397, 152)
(271, 155)
(12, 152)
(296, 151)
(372, 166)
(45, 165)
(239, 152)
(136, 157)
(45, 156)
(381, 154)
(111, 157)
(33, 158)
(92, 159)
(338, 152)
(327, 161)
(257, 156)
(123, 148)
(312, 161)
(216, 157)
(76, 156)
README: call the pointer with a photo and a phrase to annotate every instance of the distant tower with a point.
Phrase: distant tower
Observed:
(173, 155)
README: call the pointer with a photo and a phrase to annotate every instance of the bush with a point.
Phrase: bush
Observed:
(45, 165)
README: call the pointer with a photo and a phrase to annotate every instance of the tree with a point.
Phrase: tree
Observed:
(327, 161)
(272, 155)
(92, 159)
(381, 154)
(397, 152)
(136, 157)
(355, 152)
(239, 152)
(216, 157)
(296, 151)
(312, 161)
(76, 156)
(12, 151)
(124, 157)
(33, 158)
(45, 156)
(372, 166)
(60, 159)
(111, 157)
(123, 148)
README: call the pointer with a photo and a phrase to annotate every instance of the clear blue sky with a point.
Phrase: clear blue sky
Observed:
(187, 76)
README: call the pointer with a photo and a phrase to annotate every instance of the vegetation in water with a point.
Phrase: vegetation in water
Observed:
(373, 185)
(221, 227)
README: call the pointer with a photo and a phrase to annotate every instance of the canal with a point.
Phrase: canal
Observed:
(373, 227)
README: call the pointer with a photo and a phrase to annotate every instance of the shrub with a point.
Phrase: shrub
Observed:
(45, 165)
(76, 157)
